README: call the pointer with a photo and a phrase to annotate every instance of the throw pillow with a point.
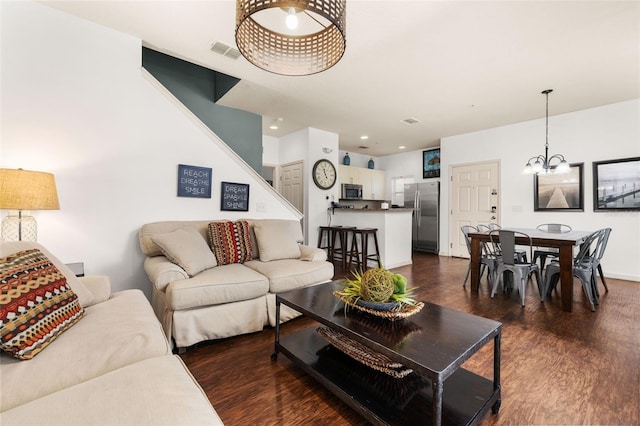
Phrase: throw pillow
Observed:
(85, 296)
(230, 241)
(36, 303)
(187, 248)
(252, 236)
(246, 242)
(276, 240)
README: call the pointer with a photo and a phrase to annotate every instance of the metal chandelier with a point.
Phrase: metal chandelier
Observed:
(542, 163)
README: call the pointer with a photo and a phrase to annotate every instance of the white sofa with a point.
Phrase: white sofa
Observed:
(112, 367)
(213, 301)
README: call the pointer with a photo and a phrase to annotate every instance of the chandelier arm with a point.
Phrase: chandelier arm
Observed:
(537, 157)
(558, 157)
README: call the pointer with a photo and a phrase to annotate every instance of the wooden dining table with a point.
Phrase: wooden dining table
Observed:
(564, 242)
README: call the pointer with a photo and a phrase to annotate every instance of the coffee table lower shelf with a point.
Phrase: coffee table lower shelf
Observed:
(466, 396)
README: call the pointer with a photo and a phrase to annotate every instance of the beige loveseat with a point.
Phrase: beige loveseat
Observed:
(196, 298)
(112, 367)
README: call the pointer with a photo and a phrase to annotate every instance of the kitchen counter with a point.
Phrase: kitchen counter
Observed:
(400, 210)
(394, 231)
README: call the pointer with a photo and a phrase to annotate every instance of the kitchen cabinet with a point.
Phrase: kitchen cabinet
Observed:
(377, 184)
(372, 181)
(348, 174)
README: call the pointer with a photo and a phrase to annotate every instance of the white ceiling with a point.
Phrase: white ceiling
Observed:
(455, 66)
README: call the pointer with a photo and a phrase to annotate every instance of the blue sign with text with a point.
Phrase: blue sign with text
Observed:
(194, 181)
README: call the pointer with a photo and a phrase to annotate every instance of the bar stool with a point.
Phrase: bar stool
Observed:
(362, 256)
(325, 231)
(340, 252)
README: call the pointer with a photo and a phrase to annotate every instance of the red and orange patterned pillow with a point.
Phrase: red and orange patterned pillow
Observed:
(230, 241)
(36, 303)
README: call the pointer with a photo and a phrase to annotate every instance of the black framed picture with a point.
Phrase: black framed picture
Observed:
(234, 197)
(559, 192)
(194, 181)
(616, 184)
(431, 163)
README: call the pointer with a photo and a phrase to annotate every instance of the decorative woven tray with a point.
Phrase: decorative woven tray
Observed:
(402, 311)
(363, 354)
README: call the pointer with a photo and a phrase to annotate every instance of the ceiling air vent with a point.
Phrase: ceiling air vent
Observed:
(224, 50)
(410, 120)
(363, 147)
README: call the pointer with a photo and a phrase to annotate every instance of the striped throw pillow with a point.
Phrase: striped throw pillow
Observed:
(230, 241)
(36, 303)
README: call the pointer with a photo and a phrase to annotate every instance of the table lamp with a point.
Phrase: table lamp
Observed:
(25, 190)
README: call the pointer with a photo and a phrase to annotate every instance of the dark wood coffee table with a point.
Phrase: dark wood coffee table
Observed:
(434, 343)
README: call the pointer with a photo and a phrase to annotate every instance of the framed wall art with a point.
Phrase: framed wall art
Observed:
(431, 163)
(194, 181)
(234, 197)
(616, 184)
(559, 192)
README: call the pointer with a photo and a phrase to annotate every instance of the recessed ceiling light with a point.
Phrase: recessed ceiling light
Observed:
(364, 137)
(401, 147)
(275, 125)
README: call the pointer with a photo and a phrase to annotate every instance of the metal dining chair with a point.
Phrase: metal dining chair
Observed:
(584, 268)
(507, 262)
(493, 249)
(601, 245)
(486, 262)
(549, 252)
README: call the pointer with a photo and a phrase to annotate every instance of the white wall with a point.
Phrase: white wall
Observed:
(403, 164)
(318, 200)
(270, 150)
(603, 133)
(75, 103)
(357, 160)
(307, 146)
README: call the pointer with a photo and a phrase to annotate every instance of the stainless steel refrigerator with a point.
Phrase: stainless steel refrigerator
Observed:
(424, 199)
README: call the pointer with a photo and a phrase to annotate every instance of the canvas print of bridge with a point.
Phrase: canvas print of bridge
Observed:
(559, 192)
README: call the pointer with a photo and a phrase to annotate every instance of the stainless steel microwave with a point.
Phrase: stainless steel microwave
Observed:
(351, 191)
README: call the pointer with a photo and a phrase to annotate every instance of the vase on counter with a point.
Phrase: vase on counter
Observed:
(346, 160)
(370, 164)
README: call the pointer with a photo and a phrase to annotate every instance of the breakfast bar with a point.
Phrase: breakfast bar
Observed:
(394, 231)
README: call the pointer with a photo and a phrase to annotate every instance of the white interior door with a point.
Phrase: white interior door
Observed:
(292, 184)
(474, 200)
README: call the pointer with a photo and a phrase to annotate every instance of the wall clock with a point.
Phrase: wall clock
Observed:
(324, 174)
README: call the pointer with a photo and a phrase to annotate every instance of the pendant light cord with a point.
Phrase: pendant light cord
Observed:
(546, 144)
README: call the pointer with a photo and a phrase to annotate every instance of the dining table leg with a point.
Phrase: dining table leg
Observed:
(566, 276)
(475, 264)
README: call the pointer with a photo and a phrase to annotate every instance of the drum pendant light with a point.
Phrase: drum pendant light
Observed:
(291, 37)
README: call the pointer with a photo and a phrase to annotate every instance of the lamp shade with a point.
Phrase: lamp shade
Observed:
(27, 190)
(309, 50)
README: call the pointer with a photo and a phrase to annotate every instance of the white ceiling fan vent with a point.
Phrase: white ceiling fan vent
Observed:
(410, 120)
(363, 147)
(224, 50)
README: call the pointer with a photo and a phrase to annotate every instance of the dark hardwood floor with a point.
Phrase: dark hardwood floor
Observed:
(558, 368)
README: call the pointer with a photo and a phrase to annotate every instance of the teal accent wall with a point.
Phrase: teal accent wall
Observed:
(198, 88)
